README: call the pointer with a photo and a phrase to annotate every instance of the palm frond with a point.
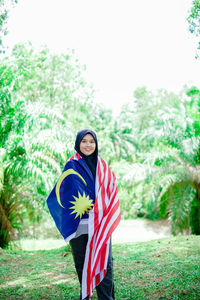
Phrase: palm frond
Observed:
(175, 201)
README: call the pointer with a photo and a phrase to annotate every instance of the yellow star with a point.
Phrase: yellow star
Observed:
(81, 205)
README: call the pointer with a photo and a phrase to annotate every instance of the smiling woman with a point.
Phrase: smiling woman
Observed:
(86, 211)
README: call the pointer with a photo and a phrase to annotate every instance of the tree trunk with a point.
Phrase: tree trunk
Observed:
(195, 212)
(6, 230)
(2, 157)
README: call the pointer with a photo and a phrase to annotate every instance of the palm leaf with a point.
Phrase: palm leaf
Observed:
(175, 201)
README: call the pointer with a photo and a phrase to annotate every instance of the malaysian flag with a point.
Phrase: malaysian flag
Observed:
(75, 187)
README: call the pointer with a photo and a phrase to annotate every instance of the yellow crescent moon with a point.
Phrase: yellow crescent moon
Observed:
(62, 177)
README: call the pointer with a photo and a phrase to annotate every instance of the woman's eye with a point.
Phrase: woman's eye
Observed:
(91, 142)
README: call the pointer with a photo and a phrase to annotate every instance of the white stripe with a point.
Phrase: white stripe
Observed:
(99, 198)
(106, 258)
(71, 236)
(107, 253)
(76, 156)
(83, 221)
(97, 179)
(103, 239)
(97, 271)
(101, 275)
(109, 225)
(105, 220)
(102, 170)
(100, 206)
(105, 217)
(106, 185)
(111, 182)
(113, 192)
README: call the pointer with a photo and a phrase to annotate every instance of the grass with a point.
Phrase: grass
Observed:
(168, 268)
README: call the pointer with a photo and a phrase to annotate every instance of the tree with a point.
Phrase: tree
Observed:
(167, 158)
(11, 120)
(194, 21)
(5, 6)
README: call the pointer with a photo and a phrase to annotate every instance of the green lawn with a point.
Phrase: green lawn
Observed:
(168, 268)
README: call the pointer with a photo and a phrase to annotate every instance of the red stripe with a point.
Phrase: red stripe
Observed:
(109, 180)
(103, 198)
(96, 208)
(114, 225)
(75, 156)
(78, 155)
(103, 256)
(104, 169)
(116, 206)
(99, 174)
(113, 199)
(113, 210)
(72, 157)
(112, 228)
(110, 205)
(97, 279)
(103, 186)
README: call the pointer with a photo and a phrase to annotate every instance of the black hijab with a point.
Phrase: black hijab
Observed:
(91, 160)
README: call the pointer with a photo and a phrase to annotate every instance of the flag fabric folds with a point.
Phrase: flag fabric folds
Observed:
(103, 220)
(75, 185)
(74, 194)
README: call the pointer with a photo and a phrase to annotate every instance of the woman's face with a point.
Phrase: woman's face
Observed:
(87, 145)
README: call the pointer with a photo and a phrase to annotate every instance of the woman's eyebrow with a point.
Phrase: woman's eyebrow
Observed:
(88, 139)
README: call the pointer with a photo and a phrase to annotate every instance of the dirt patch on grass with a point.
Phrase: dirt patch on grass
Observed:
(140, 230)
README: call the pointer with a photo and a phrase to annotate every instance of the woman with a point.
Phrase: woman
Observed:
(88, 221)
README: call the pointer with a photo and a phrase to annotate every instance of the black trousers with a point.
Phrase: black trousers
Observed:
(105, 290)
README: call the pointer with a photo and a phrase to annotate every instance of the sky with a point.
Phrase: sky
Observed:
(123, 43)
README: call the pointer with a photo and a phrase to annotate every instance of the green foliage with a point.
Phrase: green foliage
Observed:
(12, 120)
(5, 6)
(176, 202)
(10, 210)
(194, 21)
(193, 18)
(167, 156)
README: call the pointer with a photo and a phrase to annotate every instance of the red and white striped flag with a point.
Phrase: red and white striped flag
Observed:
(103, 219)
